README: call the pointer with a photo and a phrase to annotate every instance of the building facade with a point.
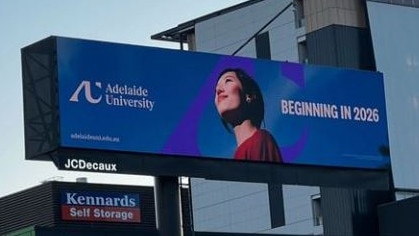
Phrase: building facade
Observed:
(343, 33)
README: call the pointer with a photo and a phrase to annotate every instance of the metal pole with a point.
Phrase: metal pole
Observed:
(167, 205)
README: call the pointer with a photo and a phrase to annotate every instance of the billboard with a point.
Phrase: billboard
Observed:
(147, 100)
(117, 108)
(100, 206)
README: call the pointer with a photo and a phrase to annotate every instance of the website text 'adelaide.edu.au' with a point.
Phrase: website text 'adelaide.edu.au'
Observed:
(100, 138)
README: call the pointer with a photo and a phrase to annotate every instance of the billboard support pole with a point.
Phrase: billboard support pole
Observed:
(167, 205)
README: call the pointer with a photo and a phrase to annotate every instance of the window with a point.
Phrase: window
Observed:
(302, 50)
(263, 47)
(316, 205)
(299, 13)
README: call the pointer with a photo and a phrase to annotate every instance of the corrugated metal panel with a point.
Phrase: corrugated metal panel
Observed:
(187, 223)
(321, 47)
(27, 208)
(351, 212)
(341, 46)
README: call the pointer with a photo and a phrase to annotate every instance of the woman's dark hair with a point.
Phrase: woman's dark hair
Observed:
(254, 110)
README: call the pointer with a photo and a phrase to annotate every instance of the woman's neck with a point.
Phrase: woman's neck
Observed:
(244, 131)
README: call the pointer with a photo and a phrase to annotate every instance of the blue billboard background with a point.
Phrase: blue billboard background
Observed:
(159, 101)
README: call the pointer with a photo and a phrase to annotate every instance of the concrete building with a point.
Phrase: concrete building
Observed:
(368, 35)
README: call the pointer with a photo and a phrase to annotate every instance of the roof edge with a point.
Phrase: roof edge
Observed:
(174, 34)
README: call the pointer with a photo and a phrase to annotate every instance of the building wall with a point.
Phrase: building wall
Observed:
(298, 206)
(350, 212)
(341, 46)
(222, 206)
(395, 38)
(226, 33)
(406, 222)
(322, 13)
(329, 33)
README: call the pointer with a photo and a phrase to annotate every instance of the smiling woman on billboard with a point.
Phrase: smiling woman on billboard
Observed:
(239, 102)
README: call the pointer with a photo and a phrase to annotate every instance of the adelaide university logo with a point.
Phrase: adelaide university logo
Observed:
(85, 85)
(120, 95)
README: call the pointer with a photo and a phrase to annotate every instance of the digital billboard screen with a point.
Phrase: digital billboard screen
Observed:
(145, 100)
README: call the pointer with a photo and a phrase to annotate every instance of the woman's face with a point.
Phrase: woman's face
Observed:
(229, 96)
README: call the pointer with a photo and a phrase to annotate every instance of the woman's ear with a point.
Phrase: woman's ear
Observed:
(250, 98)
